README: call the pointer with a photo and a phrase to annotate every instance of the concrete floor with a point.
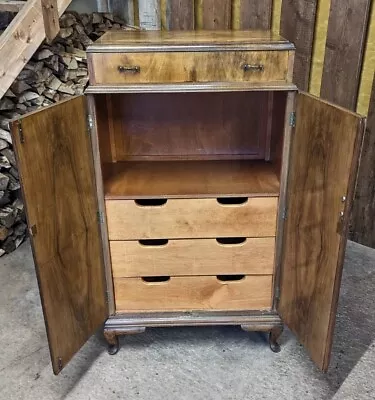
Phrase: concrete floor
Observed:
(187, 363)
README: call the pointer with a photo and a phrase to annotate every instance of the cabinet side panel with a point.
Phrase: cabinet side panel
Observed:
(56, 169)
(101, 152)
(324, 158)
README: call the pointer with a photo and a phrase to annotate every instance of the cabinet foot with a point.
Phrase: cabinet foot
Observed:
(113, 342)
(111, 336)
(274, 335)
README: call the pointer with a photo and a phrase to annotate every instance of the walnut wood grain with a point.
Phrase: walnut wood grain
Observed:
(126, 40)
(255, 14)
(180, 126)
(193, 293)
(315, 237)
(56, 167)
(297, 24)
(191, 218)
(180, 14)
(174, 67)
(193, 87)
(249, 256)
(346, 35)
(363, 215)
(124, 180)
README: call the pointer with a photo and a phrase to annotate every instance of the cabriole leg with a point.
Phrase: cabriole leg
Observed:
(113, 342)
(274, 335)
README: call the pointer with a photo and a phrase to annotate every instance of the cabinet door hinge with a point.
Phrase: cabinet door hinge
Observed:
(292, 119)
(284, 214)
(20, 133)
(90, 123)
(277, 293)
(100, 217)
(107, 296)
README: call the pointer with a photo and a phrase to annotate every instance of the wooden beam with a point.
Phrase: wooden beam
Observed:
(51, 19)
(11, 6)
(180, 14)
(217, 14)
(362, 227)
(297, 24)
(346, 36)
(21, 39)
(149, 14)
(255, 14)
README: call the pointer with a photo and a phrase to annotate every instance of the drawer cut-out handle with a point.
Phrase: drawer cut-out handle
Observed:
(231, 240)
(155, 279)
(231, 200)
(253, 67)
(153, 242)
(134, 69)
(150, 202)
(229, 278)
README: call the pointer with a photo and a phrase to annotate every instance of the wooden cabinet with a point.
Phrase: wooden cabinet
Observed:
(191, 185)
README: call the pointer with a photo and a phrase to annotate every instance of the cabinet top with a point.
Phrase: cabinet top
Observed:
(121, 41)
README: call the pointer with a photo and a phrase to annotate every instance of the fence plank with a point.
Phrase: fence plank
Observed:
(123, 9)
(346, 36)
(297, 25)
(363, 214)
(255, 14)
(180, 14)
(102, 5)
(149, 14)
(217, 14)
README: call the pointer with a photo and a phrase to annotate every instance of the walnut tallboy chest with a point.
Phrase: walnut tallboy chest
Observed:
(191, 185)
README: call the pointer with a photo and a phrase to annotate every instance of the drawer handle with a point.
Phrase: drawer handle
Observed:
(231, 200)
(231, 241)
(153, 242)
(155, 279)
(134, 69)
(229, 278)
(253, 67)
(150, 202)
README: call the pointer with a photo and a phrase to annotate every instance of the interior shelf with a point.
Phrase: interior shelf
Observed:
(179, 179)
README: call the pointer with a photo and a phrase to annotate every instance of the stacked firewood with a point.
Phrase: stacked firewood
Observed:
(55, 72)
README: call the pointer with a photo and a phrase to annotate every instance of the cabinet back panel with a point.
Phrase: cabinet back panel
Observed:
(188, 125)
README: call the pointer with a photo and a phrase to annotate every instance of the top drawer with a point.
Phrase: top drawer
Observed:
(179, 67)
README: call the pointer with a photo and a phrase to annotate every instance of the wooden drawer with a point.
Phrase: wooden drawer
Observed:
(192, 257)
(191, 218)
(177, 67)
(193, 293)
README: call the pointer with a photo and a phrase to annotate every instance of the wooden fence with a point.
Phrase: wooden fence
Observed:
(335, 57)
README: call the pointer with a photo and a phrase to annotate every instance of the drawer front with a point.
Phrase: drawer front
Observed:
(193, 257)
(178, 67)
(191, 218)
(193, 293)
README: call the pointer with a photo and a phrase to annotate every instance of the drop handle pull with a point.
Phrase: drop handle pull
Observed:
(253, 67)
(135, 69)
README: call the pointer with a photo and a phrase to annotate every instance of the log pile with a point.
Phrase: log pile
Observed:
(55, 72)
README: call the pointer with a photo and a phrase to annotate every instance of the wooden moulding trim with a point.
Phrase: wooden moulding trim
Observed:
(167, 48)
(191, 87)
(249, 318)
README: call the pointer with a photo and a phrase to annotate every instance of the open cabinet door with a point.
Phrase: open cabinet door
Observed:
(56, 168)
(323, 167)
